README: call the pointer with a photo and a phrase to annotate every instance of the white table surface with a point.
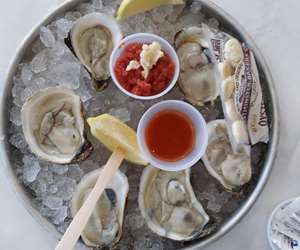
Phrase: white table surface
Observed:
(274, 24)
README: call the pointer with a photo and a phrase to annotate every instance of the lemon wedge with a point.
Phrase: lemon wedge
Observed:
(114, 134)
(132, 7)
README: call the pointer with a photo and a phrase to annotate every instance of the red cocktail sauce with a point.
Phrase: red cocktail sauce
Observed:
(170, 135)
(159, 78)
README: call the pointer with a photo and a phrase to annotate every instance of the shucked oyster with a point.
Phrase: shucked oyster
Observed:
(93, 38)
(104, 227)
(53, 126)
(231, 169)
(197, 76)
(169, 206)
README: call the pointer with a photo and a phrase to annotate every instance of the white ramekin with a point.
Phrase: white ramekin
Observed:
(200, 142)
(144, 38)
(280, 206)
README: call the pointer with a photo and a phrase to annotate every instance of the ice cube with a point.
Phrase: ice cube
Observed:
(63, 27)
(45, 211)
(59, 169)
(214, 206)
(63, 227)
(150, 25)
(137, 20)
(88, 165)
(73, 16)
(168, 34)
(40, 62)
(109, 10)
(53, 189)
(136, 107)
(174, 94)
(121, 113)
(135, 220)
(39, 187)
(207, 196)
(75, 172)
(136, 110)
(189, 20)
(85, 8)
(126, 28)
(85, 95)
(65, 186)
(66, 74)
(109, 3)
(213, 23)
(18, 140)
(31, 172)
(39, 82)
(26, 74)
(18, 102)
(59, 53)
(18, 87)
(196, 6)
(28, 159)
(46, 175)
(146, 242)
(222, 198)
(37, 46)
(13, 129)
(96, 105)
(53, 202)
(97, 5)
(60, 215)
(120, 98)
(15, 116)
(83, 91)
(177, 10)
(47, 37)
(29, 91)
(81, 246)
(159, 15)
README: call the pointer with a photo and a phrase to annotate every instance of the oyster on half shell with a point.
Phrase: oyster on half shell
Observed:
(104, 227)
(232, 170)
(53, 126)
(93, 38)
(197, 72)
(169, 205)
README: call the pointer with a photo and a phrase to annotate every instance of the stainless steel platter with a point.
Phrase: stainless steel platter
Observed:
(228, 24)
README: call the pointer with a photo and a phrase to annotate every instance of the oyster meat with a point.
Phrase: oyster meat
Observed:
(93, 38)
(197, 72)
(231, 169)
(104, 227)
(169, 206)
(53, 126)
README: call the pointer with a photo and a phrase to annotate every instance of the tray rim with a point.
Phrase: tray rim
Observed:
(19, 190)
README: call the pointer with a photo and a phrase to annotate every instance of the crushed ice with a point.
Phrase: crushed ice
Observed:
(53, 64)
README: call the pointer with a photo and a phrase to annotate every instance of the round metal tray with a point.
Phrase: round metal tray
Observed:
(230, 25)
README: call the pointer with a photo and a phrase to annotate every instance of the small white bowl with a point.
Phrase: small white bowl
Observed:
(200, 133)
(282, 205)
(144, 38)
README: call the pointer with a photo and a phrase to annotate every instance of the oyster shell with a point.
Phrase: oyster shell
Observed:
(53, 126)
(104, 227)
(93, 38)
(231, 169)
(169, 206)
(197, 72)
(191, 34)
